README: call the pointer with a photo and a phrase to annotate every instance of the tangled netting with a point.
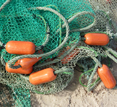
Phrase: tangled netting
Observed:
(57, 28)
(10, 97)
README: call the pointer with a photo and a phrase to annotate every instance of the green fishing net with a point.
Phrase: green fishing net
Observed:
(14, 97)
(20, 20)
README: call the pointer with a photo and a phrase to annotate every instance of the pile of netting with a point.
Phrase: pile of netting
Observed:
(56, 29)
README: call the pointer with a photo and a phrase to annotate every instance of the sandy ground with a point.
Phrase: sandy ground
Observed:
(76, 95)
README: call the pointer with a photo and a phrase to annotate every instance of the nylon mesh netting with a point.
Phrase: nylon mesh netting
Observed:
(20, 21)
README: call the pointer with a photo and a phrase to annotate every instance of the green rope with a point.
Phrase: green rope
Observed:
(4, 4)
(85, 28)
(60, 23)
(97, 61)
(89, 87)
(84, 74)
(63, 70)
(111, 51)
(1, 8)
(112, 55)
(47, 31)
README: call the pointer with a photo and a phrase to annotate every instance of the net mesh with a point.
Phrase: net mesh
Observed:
(14, 97)
(19, 21)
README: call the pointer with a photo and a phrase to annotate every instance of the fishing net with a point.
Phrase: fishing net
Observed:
(11, 97)
(56, 28)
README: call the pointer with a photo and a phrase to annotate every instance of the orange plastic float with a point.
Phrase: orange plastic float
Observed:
(42, 76)
(19, 70)
(96, 39)
(106, 77)
(20, 47)
(29, 62)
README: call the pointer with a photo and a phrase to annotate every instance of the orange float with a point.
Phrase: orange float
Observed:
(20, 47)
(106, 77)
(19, 70)
(43, 76)
(96, 39)
(29, 62)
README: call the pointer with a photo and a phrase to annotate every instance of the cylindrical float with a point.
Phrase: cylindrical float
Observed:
(19, 70)
(106, 77)
(28, 62)
(20, 47)
(43, 76)
(96, 39)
